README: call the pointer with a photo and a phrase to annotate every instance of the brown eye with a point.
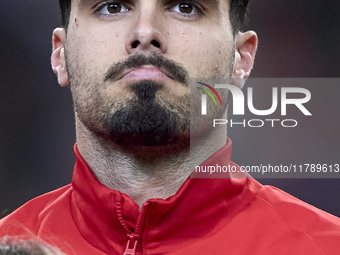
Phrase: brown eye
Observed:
(185, 8)
(114, 8)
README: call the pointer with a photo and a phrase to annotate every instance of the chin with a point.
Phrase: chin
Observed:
(143, 122)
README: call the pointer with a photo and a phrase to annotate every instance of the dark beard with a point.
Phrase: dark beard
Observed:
(143, 122)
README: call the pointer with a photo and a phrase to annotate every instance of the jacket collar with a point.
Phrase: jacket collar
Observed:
(106, 217)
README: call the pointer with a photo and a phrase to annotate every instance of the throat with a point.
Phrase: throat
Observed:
(143, 172)
(143, 179)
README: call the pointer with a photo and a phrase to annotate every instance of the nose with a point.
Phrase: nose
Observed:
(146, 34)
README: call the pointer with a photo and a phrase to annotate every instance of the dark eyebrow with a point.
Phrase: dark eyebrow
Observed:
(213, 2)
(82, 3)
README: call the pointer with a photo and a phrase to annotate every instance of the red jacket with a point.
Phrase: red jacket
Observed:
(206, 216)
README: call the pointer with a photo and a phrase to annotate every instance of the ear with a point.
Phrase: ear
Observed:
(246, 45)
(58, 56)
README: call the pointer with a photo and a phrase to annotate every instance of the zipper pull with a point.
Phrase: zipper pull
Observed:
(130, 251)
(135, 236)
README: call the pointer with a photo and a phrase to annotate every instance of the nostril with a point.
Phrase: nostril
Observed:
(135, 44)
(155, 43)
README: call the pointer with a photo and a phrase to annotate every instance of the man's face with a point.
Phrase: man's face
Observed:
(129, 64)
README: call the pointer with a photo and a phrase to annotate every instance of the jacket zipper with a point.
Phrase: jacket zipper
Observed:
(133, 238)
(131, 250)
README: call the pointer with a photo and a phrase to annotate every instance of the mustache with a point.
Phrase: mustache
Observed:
(175, 70)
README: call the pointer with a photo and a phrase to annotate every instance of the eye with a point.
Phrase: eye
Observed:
(111, 8)
(185, 8)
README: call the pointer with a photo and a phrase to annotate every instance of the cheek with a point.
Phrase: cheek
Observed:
(202, 52)
(97, 46)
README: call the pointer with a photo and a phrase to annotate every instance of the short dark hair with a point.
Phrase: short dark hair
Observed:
(238, 13)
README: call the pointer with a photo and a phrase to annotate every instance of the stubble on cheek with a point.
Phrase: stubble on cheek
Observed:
(217, 70)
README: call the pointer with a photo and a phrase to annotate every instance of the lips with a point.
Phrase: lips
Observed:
(145, 73)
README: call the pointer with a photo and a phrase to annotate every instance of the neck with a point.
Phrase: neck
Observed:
(132, 171)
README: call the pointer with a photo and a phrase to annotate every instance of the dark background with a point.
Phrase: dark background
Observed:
(296, 39)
